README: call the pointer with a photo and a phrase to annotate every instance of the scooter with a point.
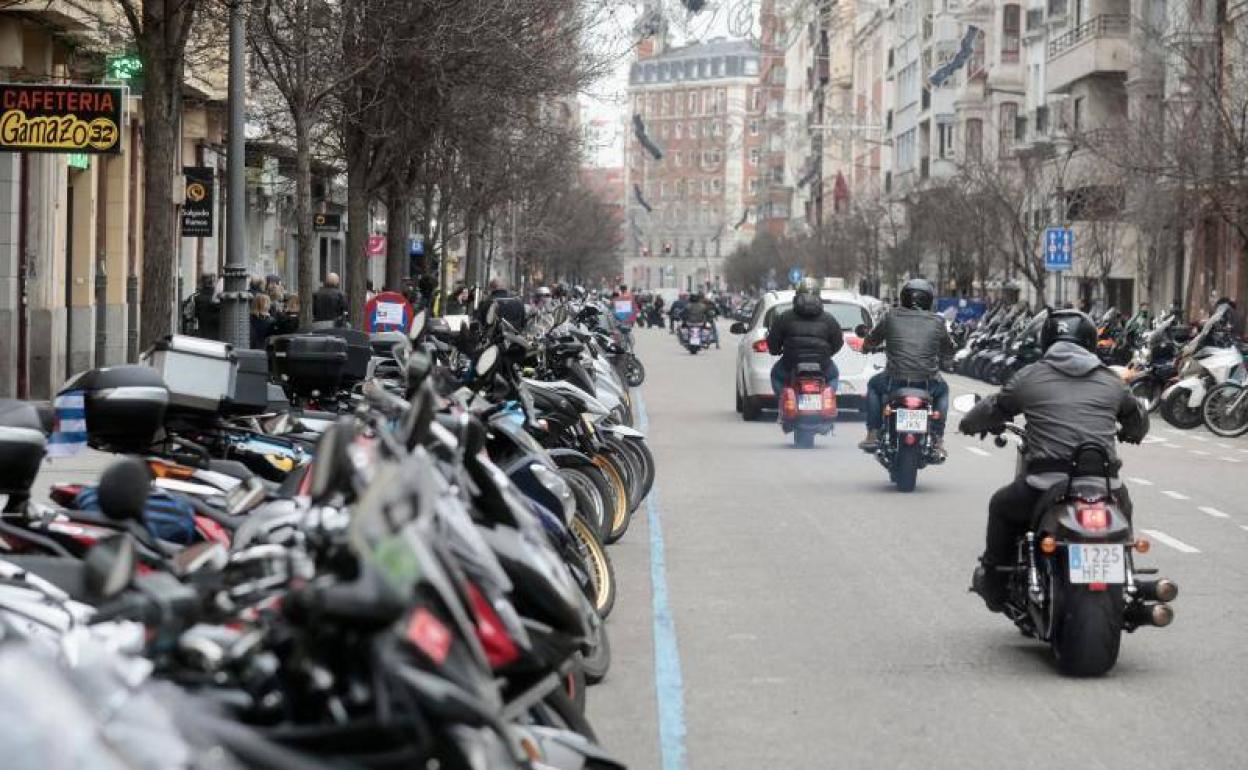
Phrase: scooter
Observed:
(1207, 360)
(807, 405)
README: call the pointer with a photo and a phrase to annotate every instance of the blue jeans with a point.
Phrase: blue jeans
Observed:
(878, 388)
(780, 375)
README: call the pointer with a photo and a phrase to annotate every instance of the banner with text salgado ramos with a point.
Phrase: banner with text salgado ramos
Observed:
(61, 118)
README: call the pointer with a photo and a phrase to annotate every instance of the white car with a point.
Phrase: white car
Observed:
(754, 362)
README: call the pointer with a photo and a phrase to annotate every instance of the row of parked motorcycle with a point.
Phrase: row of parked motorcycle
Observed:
(347, 551)
(1191, 375)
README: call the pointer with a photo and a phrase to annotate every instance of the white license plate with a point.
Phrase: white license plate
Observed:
(810, 402)
(695, 338)
(1097, 564)
(911, 420)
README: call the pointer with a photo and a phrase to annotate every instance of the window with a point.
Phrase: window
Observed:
(974, 139)
(1009, 111)
(693, 103)
(1042, 120)
(754, 156)
(905, 150)
(717, 67)
(1077, 115)
(716, 186)
(717, 129)
(754, 186)
(679, 129)
(678, 158)
(1011, 23)
(1020, 128)
(944, 140)
(751, 66)
(753, 128)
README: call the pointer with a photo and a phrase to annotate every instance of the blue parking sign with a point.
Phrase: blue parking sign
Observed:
(795, 275)
(1059, 249)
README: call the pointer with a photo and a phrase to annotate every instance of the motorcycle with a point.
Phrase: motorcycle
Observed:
(696, 337)
(1074, 583)
(1152, 366)
(1208, 359)
(807, 405)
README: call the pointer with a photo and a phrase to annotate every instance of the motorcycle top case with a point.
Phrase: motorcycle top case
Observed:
(199, 373)
(22, 444)
(308, 363)
(251, 382)
(359, 351)
(125, 406)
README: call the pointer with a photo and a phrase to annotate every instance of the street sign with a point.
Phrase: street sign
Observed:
(61, 118)
(376, 246)
(416, 246)
(326, 223)
(795, 275)
(1059, 249)
(197, 204)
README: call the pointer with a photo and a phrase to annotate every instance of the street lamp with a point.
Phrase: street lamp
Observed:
(1063, 150)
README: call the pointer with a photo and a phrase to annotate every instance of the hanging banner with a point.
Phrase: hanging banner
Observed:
(63, 119)
(197, 205)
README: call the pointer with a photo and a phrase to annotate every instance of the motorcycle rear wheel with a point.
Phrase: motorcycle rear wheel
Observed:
(1217, 419)
(906, 468)
(804, 439)
(557, 710)
(598, 662)
(1088, 630)
(619, 514)
(634, 371)
(1174, 410)
(590, 490)
(601, 570)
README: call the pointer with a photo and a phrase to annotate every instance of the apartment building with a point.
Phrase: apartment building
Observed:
(699, 105)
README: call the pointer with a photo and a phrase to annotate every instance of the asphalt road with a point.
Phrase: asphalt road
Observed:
(820, 619)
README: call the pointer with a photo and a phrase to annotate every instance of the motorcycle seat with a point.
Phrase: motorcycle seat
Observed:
(1053, 486)
(809, 368)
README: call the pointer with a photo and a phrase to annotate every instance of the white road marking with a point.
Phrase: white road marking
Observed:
(1175, 495)
(978, 451)
(1140, 481)
(1224, 446)
(1174, 543)
(1152, 440)
(1230, 460)
(1199, 452)
(1244, 527)
(1172, 446)
(1214, 512)
(1197, 438)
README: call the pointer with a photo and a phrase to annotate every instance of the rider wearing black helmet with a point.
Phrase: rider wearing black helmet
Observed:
(806, 333)
(1069, 398)
(915, 340)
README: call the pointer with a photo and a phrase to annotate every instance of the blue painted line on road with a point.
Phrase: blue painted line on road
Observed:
(669, 685)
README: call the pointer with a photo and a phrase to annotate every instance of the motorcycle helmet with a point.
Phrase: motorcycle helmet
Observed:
(1069, 326)
(918, 293)
(542, 292)
(807, 286)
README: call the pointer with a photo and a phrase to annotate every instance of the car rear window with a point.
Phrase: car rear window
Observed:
(847, 314)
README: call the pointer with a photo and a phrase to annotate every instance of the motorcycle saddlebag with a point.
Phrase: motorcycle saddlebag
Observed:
(125, 406)
(22, 444)
(308, 364)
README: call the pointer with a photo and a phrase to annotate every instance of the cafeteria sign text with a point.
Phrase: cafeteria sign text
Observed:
(67, 119)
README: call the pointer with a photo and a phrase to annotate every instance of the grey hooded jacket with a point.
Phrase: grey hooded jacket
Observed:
(1068, 398)
(915, 341)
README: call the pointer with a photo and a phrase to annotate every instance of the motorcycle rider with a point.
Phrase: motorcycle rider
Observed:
(676, 313)
(1068, 398)
(915, 341)
(806, 333)
(700, 312)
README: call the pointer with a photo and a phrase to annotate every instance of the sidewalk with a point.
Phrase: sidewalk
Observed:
(84, 467)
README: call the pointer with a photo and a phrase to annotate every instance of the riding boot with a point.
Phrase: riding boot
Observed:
(991, 584)
(871, 442)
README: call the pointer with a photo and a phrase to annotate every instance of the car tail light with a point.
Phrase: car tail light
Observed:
(1093, 517)
(430, 635)
(854, 342)
(912, 402)
(811, 386)
(829, 404)
(788, 404)
(760, 346)
(499, 648)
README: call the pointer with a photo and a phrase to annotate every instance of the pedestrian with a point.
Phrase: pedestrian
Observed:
(497, 291)
(262, 321)
(457, 303)
(329, 303)
(207, 308)
(369, 291)
(255, 285)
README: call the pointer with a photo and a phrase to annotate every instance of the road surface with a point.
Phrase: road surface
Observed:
(793, 610)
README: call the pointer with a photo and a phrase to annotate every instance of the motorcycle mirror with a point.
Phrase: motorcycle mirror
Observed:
(486, 362)
(737, 328)
(420, 417)
(109, 566)
(966, 402)
(418, 325)
(123, 490)
(861, 331)
(491, 314)
(200, 557)
(417, 368)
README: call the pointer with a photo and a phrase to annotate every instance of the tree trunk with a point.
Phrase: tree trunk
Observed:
(303, 207)
(357, 234)
(398, 227)
(162, 107)
(472, 248)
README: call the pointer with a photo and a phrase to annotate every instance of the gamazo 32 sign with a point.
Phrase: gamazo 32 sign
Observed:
(71, 118)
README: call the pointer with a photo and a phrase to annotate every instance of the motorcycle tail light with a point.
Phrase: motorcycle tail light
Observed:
(829, 404)
(1093, 517)
(788, 404)
(429, 635)
(810, 386)
(760, 346)
(497, 643)
(910, 439)
(912, 402)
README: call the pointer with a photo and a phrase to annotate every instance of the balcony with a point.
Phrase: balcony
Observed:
(1099, 46)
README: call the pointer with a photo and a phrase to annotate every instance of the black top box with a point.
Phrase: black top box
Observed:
(125, 406)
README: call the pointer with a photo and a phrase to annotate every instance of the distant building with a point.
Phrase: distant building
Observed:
(688, 210)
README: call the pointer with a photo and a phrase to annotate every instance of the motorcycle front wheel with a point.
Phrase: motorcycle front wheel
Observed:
(634, 372)
(1225, 410)
(601, 571)
(1174, 410)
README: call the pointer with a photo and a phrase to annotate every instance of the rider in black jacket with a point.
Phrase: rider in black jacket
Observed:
(805, 334)
(915, 339)
(1068, 398)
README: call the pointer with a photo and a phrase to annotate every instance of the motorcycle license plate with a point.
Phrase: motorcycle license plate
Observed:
(695, 337)
(1097, 564)
(911, 420)
(810, 402)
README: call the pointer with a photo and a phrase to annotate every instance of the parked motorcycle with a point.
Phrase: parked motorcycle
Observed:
(1207, 360)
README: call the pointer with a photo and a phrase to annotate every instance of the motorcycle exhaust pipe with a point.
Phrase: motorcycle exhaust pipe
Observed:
(1157, 615)
(1161, 590)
